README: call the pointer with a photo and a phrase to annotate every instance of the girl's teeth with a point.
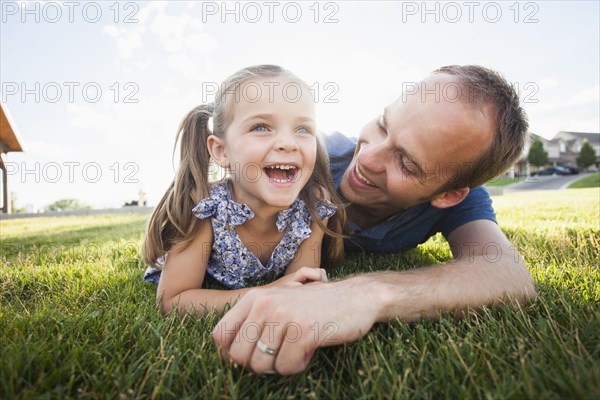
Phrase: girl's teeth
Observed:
(284, 167)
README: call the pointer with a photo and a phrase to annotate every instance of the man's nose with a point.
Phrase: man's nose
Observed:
(373, 157)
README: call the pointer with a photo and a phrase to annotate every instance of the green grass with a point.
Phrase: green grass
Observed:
(590, 181)
(504, 181)
(77, 321)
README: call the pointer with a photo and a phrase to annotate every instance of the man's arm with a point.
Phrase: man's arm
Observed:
(298, 320)
(486, 270)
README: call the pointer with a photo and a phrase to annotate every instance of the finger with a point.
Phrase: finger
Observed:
(296, 350)
(263, 357)
(250, 331)
(306, 273)
(243, 345)
(324, 277)
(227, 328)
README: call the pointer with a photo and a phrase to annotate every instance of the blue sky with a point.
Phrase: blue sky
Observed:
(143, 65)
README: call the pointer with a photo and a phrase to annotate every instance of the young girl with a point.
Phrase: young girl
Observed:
(265, 222)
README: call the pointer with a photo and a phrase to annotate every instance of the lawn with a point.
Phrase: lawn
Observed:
(504, 181)
(592, 180)
(77, 321)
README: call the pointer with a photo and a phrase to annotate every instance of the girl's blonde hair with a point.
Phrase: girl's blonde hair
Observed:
(172, 221)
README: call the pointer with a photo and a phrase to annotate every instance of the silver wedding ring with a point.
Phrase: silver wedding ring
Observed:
(265, 349)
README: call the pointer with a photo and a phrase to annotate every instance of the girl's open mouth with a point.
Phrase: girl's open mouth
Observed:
(282, 173)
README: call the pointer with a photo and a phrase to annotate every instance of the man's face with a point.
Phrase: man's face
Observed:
(405, 155)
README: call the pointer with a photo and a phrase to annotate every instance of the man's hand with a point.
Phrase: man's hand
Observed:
(294, 322)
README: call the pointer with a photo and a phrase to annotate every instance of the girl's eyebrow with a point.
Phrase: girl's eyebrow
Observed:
(258, 116)
(301, 118)
(401, 149)
(304, 119)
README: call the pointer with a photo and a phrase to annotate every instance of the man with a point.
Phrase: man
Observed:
(415, 171)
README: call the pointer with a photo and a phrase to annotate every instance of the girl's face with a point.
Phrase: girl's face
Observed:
(270, 147)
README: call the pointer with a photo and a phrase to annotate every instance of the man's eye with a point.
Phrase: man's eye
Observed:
(407, 166)
(379, 124)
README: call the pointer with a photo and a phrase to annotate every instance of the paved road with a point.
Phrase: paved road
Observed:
(544, 183)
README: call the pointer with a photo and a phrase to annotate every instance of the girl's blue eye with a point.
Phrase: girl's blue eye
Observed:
(260, 128)
(305, 129)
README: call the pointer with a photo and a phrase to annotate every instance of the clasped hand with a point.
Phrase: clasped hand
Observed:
(278, 328)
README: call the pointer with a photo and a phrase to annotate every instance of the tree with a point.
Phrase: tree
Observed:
(587, 155)
(13, 205)
(66, 204)
(537, 155)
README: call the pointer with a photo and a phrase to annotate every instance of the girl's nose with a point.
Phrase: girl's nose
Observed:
(286, 142)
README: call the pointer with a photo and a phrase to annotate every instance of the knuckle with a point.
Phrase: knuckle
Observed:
(237, 358)
(288, 368)
(216, 336)
(257, 366)
(262, 304)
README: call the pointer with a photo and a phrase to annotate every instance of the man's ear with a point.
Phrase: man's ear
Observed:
(216, 148)
(450, 198)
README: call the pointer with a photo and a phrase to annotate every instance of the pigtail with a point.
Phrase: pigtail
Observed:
(172, 221)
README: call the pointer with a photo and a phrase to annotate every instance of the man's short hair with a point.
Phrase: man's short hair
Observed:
(480, 87)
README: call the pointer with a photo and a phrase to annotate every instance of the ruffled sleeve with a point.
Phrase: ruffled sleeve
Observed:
(206, 208)
(152, 274)
(220, 205)
(297, 218)
(326, 209)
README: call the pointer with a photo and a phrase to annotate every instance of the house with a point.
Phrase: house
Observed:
(569, 145)
(9, 141)
(562, 149)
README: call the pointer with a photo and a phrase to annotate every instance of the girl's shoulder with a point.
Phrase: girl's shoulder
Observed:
(321, 193)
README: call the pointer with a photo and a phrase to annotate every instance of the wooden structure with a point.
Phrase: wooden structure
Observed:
(9, 141)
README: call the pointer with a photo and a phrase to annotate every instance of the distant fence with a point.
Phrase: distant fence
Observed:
(122, 210)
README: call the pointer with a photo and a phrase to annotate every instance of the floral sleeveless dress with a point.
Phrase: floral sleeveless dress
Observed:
(231, 263)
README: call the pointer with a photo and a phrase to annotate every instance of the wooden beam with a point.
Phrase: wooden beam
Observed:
(9, 134)
(5, 209)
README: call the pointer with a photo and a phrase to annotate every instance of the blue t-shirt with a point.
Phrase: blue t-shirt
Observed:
(415, 225)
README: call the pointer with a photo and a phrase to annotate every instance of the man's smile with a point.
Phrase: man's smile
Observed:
(362, 177)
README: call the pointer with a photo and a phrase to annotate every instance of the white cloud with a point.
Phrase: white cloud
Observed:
(576, 112)
(174, 36)
(183, 64)
(548, 83)
(172, 32)
(590, 95)
(47, 149)
(128, 40)
(180, 36)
